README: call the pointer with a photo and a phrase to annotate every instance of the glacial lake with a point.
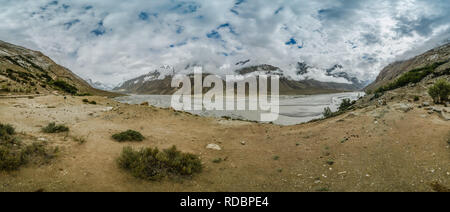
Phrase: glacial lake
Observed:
(292, 109)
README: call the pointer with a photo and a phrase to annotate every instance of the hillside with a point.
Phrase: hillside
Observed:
(28, 72)
(438, 57)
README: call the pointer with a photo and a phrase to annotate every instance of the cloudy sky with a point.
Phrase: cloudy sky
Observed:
(114, 40)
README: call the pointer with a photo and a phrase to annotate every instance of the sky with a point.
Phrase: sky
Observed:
(114, 40)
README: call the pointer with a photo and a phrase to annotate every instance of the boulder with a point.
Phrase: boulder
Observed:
(445, 115)
(403, 107)
(213, 147)
(437, 109)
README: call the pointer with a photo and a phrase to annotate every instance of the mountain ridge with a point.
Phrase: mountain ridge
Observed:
(25, 71)
(156, 82)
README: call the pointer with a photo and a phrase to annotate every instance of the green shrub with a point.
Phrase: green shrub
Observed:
(53, 128)
(217, 160)
(37, 151)
(64, 86)
(416, 98)
(14, 154)
(9, 160)
(89, 102)
(345, 104)
(440, 91)
(327, 112)
(5, 88)
(83, 94)
(129, 135)
(152, 164)
(6, 129)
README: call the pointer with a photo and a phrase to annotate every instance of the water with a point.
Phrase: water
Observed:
(293, 109)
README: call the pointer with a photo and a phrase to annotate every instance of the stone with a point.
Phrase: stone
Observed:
(403, 107)
(144, 104)
(425, 104)
(107, 109)
(213, 147)
(445, 115)
(42, 139)
(243, 142)
(436, 109)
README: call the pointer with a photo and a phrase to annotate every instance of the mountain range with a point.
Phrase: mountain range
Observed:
(158, 81)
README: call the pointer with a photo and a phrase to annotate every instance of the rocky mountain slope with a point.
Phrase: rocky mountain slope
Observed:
(158, 81)
(437, 59)
(405, 85)
(24, 71)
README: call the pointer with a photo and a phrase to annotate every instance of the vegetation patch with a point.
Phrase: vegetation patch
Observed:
(14, 154)
(345, 105)
(83, 94)
(152, 164)
(413, 76)
(54, 128)
(89, 102)
(129, 135)
(64, 86)
(440, 91)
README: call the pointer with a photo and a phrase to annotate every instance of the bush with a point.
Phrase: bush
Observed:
(83, 94)
(53, 128)
(89, 102)
(152, 164)
(9, 160)
(345, 104)
(440, 91)
(37, 150)
(416, 98)
(327, 112)
(129, 135)
(64, 86)
(14, 154)
(7, 129)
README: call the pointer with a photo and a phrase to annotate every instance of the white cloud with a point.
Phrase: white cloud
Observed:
(111, 41)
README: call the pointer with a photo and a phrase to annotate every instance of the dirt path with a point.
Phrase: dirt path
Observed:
(370, 149)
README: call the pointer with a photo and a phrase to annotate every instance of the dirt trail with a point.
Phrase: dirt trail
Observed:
(369, 149)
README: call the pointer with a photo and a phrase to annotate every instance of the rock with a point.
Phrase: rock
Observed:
(436, 109)
(403, 107)
(382, 102)
(425, 104)
(447, 104)
(107, 109)
(42, 139)
(445, 115)
(144, 104)
(243, 142)
(213, 147)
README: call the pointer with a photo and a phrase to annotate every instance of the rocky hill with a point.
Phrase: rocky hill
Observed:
(436, 61)
(24, 71)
